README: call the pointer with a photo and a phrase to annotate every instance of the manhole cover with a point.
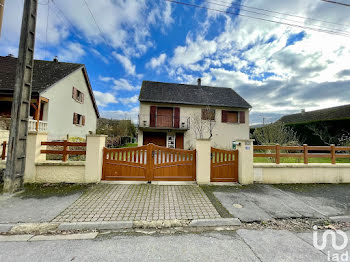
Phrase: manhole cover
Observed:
(237, 206)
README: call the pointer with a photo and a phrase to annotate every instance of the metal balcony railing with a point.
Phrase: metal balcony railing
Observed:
(164, 122)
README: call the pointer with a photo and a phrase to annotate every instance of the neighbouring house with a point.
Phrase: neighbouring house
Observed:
(62, 102)
(175, 115)
(318, 126)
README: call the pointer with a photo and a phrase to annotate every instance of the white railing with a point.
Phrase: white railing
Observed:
(32, 125)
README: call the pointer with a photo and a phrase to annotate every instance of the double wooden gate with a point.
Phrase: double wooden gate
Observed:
(149, 163)
(224, 165)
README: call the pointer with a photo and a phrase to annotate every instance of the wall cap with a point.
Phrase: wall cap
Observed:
(300, 165)
(60, 163)
(245, 140)
(36, 133)
(94, 135)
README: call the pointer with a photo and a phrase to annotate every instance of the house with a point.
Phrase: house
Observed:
(62, 101)
(175, 115)
(320, 127)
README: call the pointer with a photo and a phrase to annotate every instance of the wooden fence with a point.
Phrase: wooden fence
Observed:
(304, 152)
(3, 151)
(65, 151)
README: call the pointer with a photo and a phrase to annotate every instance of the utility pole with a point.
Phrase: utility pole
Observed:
(16, 155)
(2, 6)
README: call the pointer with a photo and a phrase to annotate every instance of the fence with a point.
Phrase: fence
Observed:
(3, 151)
(65, 151)
(303, 152)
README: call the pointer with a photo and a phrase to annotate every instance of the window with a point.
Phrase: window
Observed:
(77, 95)
(233, 117)
(208, 114)
(78, 119)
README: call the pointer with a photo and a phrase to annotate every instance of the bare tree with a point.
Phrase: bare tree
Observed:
(203, 128)
(276, 133)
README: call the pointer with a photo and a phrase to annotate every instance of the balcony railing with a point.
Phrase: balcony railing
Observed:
(42, 127)
(164, 122)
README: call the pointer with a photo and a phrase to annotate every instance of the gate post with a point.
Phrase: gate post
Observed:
(203, 161)
(94, 158)
(245, 161)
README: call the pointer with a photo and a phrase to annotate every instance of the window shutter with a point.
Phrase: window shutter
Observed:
(224, 116)
(74, 93)
(82, 98)
(176, 117)
(75, 118)
(152, 118)
(83, 120)
(242, 117)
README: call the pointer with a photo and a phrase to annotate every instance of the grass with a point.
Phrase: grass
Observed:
(51, 190)
(298, 160)
(209, 191)
(129, 145)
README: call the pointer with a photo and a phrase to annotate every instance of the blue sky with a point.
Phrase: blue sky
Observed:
(278, 69)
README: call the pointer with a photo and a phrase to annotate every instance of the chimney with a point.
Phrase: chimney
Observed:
(199, 82)
(303, 111)
(10, 55)
(55, 59)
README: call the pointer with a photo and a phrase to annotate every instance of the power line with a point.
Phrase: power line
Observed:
(284, 19)
(286, 14)
(102, 35)
(337, 3)
(47, 25)
(258, 18)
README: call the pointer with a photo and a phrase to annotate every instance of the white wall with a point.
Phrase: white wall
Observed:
(223, 133)
(62, 106)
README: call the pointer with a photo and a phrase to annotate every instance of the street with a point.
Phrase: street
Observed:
(242, 245)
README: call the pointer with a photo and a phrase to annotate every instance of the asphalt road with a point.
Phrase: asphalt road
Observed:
(243, 245)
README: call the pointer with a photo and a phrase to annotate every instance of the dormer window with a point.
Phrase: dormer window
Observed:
(77, 95)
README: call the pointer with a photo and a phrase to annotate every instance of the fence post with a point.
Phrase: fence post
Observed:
(333, 154)
(65, 153)
(3, 154)
(94, 158)
(278, 148)
(306, 154)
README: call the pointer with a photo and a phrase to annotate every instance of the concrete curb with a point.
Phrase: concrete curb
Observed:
(84, 236)
(96, 225)
(5, 228)
(340, 219)
(15, 238)
(218, 222)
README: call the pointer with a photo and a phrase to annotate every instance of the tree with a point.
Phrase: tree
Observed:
(203, 124)
(276, 133)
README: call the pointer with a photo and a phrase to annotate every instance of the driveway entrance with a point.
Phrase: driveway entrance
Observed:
(149, 163)
(224, 165)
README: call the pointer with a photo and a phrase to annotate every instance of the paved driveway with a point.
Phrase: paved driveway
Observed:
(265, 202)
(139, 202)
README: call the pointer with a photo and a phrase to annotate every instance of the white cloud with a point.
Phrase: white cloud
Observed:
(126, 63)
(129, 100)
(119, 84)
(104, 99)
(71, 53)
(121, 114)
(157, 61)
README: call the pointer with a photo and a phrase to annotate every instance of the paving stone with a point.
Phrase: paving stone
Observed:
(96, 225)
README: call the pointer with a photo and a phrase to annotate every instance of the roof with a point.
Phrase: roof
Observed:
(45, 74)
(190, 94)
(333, 113)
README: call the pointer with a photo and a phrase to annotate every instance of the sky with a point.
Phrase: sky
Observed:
(279, 69)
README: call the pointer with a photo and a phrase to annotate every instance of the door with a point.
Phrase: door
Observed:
(224, 165)
(164, 117)
(179, 140)
(157, 138)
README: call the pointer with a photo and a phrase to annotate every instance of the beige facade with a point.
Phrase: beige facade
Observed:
(61, 107)
(223, 134)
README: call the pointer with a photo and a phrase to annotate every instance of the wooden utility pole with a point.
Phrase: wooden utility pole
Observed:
(2, 6)
(16, 156)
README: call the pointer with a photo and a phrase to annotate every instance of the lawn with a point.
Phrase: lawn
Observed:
(298, 160)
(129, 145)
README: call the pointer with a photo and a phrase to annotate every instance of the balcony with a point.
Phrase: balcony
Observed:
(168, 122)
(34, 125)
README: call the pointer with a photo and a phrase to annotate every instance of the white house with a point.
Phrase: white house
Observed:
(175, 115)
(62, 103)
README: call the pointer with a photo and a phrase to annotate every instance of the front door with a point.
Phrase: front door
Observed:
(179, 140)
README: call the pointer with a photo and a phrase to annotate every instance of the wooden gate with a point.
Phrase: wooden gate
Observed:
(149, 163)
(224, 165)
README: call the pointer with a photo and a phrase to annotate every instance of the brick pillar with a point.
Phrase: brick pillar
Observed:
(94, 158)
(203, 158)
